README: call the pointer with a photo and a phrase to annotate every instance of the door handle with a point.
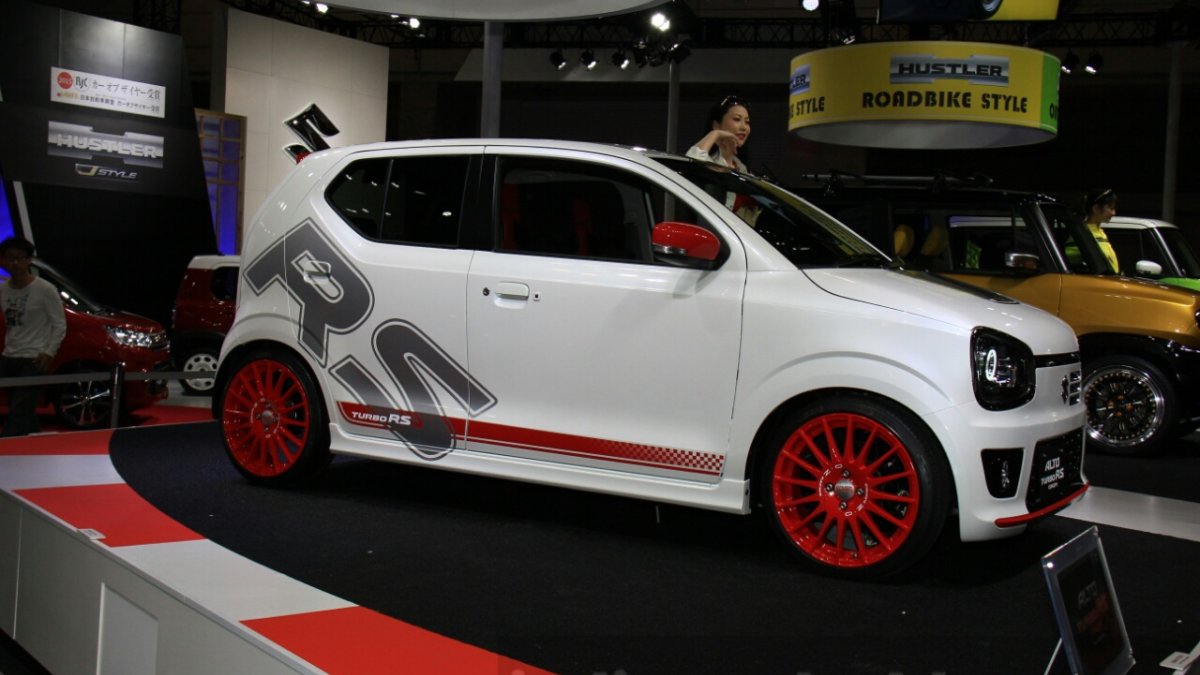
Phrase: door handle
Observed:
(317, 269)
(511, 290)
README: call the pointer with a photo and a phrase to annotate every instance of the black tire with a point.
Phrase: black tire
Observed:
(866, 514)
(1132, 405)
(83, 405)
(199, 358)
(273, 420)
(984, 9)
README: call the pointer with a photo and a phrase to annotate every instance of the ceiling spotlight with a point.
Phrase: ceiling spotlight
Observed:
(414, 23)
(660, 21)
(1070, 63)
(588, 59)
(810, 5)
(678, 52)
(620, 59)
(322, 7)
(1094, 63)
(557, 59)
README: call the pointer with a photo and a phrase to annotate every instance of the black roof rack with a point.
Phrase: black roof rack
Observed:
(936, 183)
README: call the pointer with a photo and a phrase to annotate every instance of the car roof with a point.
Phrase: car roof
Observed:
(209, 262)
(614, 150)
(1129, 223)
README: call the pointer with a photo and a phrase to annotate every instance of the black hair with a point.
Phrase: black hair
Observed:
(1098, 198)
(717, 113)
(20, 243)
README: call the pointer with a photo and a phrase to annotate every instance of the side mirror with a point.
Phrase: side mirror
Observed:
(685, 243)
(1021, 261)
(1148, 268)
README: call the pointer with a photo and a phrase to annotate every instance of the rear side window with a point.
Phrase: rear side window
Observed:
(565, 208)
(224, 283)
(403, 200)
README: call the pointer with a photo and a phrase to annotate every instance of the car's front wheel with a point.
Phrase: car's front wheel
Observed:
(83, 405)
(272, 419)
(854, 486)
(1131, 405)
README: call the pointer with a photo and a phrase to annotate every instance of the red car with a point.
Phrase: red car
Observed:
(99, 337)
(204, 307)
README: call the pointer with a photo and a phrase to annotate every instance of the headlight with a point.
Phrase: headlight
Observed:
(136, 338)
(1002, 370)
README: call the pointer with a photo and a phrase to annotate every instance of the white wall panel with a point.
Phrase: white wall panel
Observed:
(275, 69)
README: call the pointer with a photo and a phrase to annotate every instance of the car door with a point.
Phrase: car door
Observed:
(598, 356)
(377, 285)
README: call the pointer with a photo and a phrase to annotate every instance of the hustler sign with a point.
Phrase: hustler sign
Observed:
(925, 95)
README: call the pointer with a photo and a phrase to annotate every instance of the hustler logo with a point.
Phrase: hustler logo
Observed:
(926, 68)
(83, 142)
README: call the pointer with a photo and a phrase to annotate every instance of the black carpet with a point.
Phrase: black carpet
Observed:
(583, 583)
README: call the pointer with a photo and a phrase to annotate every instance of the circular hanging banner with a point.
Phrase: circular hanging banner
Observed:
(925, 95)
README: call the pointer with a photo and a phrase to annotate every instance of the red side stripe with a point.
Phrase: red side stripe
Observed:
(114, 510)
(78, 443)
(691, 461)
(359, 641)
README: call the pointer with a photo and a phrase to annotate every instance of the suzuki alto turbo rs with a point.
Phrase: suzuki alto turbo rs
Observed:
(635, 323)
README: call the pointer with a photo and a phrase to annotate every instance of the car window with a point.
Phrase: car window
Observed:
(224, 283)
(403, 200)
(1074, 241)
(566, 208)
(982, 241)
(1132, 246)
(1183, 252)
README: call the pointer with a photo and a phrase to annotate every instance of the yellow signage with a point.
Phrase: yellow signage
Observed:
(917, 11)
(925, 95)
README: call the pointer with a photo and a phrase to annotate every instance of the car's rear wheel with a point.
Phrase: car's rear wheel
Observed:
(83, 405)
(197, 360)
(854, 486)
(272, 419)
(1131, 405)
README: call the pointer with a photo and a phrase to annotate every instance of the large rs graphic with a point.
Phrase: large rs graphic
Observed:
(331, 298)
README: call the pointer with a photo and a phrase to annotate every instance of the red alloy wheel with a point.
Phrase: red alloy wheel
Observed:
(845, 490)
(266, 417)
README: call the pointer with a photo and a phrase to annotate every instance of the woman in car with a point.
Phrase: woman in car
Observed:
(728, 125)
(1099, 206)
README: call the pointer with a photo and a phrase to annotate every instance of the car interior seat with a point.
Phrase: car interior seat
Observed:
(903, 239)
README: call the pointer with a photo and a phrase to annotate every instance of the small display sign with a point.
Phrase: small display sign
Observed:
(89, 90)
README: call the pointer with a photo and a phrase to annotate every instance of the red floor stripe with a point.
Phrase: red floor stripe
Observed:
(114, 510)
(79, 443)
(358, 641)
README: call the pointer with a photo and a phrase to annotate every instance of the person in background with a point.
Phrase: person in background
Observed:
(35, 325)
(1099, 207)
(728, 127)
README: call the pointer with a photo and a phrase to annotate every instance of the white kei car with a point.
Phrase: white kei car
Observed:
(640, 324)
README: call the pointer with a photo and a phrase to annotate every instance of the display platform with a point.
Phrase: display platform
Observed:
(524, 578)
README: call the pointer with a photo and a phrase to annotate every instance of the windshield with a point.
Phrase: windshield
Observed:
(804, 234)
(71, 296)
(1182, 251)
